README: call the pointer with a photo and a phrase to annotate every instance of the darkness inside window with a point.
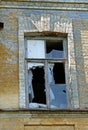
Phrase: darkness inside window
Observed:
(54, 49)
(59, 73)
(50, 45)
(38, 83)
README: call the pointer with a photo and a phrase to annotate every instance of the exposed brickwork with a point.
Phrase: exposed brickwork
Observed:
(8, 62)
(41, 120)
(81, 41)
(54, 22)
(21, 17)
(8, 79)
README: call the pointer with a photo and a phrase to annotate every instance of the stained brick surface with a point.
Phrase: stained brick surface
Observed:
(60, 14)
(9, 46)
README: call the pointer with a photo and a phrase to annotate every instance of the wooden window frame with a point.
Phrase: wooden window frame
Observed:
(46, 61)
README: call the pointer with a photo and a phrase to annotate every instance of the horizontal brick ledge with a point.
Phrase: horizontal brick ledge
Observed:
(43, 113)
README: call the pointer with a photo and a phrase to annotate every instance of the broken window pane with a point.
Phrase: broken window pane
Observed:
(54, 49)
(56, 73)
(35, 49)
(30, 87)
(59, 73)
(56, 78)
(60, 96)
(55, 54)
(50, 73)
(46, 77)
(33, 65)
(38, 84)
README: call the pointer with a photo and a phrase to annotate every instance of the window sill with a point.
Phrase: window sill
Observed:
(43, 113)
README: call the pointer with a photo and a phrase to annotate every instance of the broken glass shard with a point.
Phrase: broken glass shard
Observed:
(55, 54)
(60, 96)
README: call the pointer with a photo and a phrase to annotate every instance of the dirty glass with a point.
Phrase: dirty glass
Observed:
(58, 96)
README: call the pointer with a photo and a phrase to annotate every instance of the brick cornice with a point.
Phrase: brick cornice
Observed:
(46, 5)
(60, 1)
(43, 113)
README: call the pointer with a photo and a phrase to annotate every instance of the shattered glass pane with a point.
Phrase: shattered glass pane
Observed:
(34, 65)
(37, 105)
(37, 85)
(59, 97)
(56, 73)
(30, 87)
(37, 90)
(54, 49)
(50, 73)
(55, 54)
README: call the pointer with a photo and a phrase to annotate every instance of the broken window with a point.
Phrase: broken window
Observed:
(46, 74)
(54, 50)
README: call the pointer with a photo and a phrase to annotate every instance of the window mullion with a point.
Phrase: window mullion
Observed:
(47, 85)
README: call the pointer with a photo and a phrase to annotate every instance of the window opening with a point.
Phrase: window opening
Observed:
(59, 73)
(54, 90)
(58, 94)
(54, 49)
(38, 83)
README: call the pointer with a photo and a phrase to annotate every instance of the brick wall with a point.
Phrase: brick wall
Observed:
(81, 47)
(9, 61)
(21, 17)
(41, 120)
(9, 44)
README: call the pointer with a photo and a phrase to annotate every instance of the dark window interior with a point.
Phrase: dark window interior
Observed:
(50, 45)
(59, 73)
(38, 83)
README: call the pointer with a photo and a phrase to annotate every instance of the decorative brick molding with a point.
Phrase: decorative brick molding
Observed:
(48, 127)
(46, 4)
(51, 23)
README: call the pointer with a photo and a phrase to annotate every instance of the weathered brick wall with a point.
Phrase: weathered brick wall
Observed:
(10, 13)
(22, 120)
(9, 61)
(9, 46)
(81, 48)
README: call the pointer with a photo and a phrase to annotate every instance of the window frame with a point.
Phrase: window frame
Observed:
(46, 61)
